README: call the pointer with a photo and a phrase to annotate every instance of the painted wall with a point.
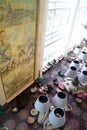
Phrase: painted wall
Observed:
(40, 35)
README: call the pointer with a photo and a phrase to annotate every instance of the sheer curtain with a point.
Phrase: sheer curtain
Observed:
(64, 27)
(78, 31)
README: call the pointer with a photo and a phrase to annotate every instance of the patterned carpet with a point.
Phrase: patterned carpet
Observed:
(75, 119)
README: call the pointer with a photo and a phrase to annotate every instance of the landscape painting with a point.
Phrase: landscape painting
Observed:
(17, 45)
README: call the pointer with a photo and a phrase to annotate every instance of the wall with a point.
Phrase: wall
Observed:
(41, 26)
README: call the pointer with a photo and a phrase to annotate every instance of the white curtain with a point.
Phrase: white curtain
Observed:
(64, 27)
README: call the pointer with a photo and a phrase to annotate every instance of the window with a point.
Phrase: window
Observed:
(65, 17)
(79, 32)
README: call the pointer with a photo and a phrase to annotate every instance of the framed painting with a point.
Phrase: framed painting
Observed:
(17, 45)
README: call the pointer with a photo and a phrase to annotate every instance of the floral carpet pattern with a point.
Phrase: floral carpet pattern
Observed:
(75, 119)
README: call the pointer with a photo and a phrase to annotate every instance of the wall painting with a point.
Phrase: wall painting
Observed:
(17, 44)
